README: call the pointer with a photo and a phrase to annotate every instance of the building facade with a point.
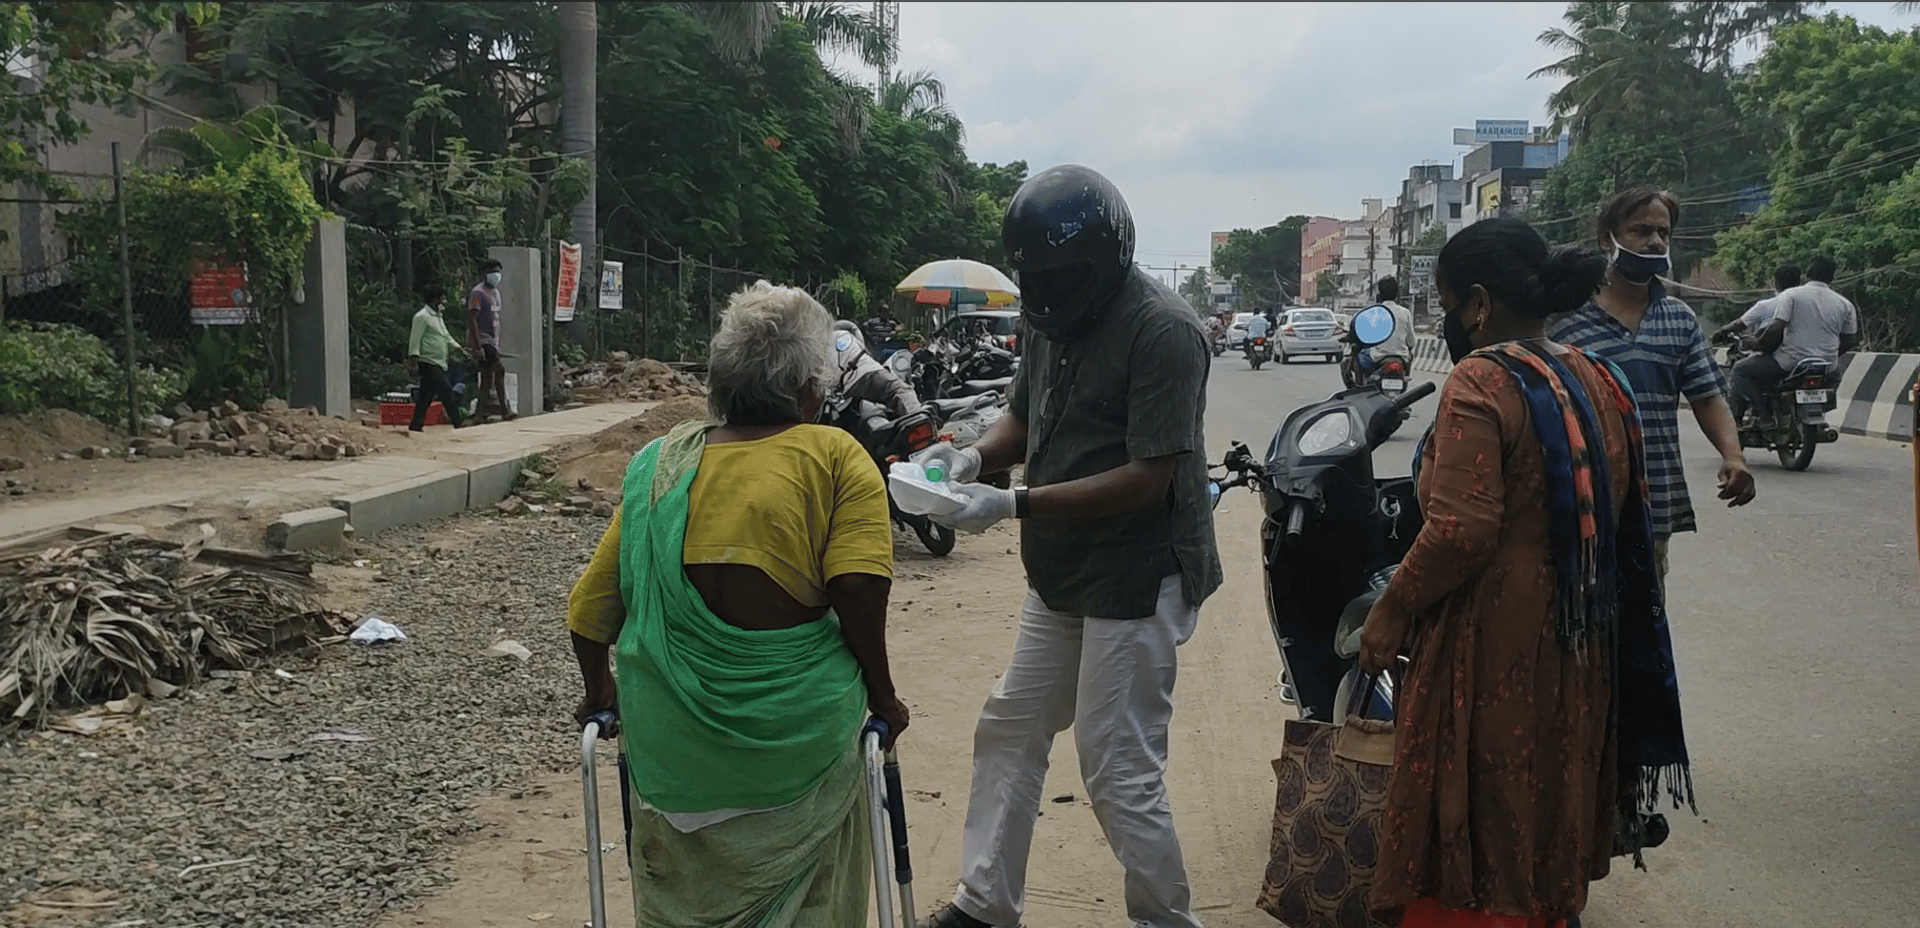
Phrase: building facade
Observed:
(1321, 241)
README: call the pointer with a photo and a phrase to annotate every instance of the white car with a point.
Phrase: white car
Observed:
(1310, 331)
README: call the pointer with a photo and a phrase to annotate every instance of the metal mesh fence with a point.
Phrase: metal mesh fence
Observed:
(668, 308)
(185, 322)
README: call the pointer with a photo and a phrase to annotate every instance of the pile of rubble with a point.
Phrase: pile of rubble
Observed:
(98, 616)
(621, 378)
(296, 434)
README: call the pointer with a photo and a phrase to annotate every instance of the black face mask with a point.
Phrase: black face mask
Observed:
(1638, 268)
(1458, 337)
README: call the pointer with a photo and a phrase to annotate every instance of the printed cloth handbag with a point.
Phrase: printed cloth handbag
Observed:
(1326, 819)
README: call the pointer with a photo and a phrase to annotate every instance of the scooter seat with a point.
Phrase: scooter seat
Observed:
(949, 406)
(997, 385)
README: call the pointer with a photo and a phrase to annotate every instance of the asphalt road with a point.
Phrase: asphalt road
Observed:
(1796, 623)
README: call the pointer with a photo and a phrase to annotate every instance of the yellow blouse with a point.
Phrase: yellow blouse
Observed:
(804, 506)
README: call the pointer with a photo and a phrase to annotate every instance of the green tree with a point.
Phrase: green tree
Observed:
(1197, 290)
(1650, 96)
(1265, 265)
(1843, 180)
(76, 53)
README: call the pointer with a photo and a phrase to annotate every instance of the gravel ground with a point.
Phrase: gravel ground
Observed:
(333, 833)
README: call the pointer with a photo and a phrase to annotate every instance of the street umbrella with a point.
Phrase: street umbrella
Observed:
(958, 280)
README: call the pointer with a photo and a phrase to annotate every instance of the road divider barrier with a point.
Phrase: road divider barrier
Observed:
(1875, 401)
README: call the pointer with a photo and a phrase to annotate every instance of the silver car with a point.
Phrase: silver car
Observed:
(1310, 331)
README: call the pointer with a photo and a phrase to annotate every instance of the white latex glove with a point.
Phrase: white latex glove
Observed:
(985, 506)
(962, 465)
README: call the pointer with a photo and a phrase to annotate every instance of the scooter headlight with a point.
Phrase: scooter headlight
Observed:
(1333, 431)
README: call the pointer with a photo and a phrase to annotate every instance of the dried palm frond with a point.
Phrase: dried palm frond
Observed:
(110, 615)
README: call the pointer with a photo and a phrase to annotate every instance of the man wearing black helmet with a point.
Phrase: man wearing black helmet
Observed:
(1116, 538)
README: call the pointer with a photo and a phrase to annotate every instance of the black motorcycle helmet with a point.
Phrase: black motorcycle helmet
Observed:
(1069, 235)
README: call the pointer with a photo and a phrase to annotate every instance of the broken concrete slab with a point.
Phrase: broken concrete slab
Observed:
(325, 527)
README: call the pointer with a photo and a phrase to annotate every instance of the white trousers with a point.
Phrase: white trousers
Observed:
(1112, 681)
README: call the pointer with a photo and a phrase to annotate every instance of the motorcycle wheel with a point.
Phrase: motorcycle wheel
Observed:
(1255, 362)
(1799, 459)
(937, 538)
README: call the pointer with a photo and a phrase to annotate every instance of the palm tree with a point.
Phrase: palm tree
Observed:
(920, 99)
(741, 32)
(1634, 60)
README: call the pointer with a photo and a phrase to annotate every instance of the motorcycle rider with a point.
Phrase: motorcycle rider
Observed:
(1809, 321)
(1385, 293)
(864, 378)
(1258, 325)
(1117, 540)
(1758, 316)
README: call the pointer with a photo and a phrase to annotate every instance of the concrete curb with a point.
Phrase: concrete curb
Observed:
(405, 502)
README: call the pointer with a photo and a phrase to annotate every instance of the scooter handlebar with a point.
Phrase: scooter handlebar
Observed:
(1405, 401)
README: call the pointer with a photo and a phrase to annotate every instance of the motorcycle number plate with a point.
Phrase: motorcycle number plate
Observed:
(1809, 396)
(1392, 383)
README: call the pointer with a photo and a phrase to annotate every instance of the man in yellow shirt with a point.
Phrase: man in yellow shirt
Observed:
(427, 347)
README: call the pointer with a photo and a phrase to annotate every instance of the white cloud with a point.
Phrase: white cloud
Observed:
(1223, 115)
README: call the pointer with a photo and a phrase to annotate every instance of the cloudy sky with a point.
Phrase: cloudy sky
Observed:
(1223, 115)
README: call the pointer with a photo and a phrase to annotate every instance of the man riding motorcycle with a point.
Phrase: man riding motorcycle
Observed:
(1810, 322)
(1362, 360)
(864, 378)
(1258, 326)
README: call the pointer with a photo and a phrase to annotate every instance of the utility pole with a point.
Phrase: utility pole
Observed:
(579, 89)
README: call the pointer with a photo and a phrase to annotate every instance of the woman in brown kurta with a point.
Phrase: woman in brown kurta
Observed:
(1500, 809)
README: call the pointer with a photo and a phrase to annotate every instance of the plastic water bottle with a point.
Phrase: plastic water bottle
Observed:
(936, 473)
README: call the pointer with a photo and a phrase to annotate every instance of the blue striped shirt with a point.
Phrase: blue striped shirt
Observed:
(1667, 359)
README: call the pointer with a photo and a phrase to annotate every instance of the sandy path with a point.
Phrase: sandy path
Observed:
(951, 633)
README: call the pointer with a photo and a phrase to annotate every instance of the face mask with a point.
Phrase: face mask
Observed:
(1458, 337)
(493, 279)
(1638, 268)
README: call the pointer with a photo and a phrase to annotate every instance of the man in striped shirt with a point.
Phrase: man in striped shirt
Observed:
(1656, 340)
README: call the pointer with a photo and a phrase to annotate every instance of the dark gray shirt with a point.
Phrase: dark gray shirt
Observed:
(1135, 387)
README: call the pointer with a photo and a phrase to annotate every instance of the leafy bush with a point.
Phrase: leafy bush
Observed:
(379, 321)
(226, 363)
(60, 366)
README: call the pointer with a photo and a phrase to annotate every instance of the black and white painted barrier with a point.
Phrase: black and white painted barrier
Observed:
(1875, 399)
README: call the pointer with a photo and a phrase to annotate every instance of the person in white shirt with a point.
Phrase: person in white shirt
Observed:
(1386, 292)
(1258, 325)
(1755, 320)
(1809, 321)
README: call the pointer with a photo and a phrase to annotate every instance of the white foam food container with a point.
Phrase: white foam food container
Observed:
(915, 494)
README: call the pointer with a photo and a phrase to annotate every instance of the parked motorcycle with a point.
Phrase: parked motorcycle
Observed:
(1790, 417)
(1259, 350)
(965, 420)
(888, 440)
(949, 371)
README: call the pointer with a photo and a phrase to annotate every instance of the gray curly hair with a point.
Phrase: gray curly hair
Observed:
(774, 342)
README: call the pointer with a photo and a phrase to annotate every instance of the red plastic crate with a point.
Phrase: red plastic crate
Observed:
(402, 414)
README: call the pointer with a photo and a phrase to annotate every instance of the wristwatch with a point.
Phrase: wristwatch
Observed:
(1021, 509)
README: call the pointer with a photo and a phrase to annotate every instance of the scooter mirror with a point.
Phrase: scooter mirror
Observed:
(1373, 325)
(1213, 493)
